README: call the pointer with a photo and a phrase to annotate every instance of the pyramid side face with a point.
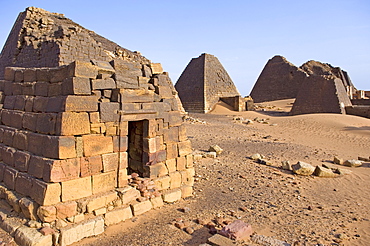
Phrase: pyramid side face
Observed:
(43, 39)
(190, 86)
(278, 80)
(323, 69)
(10, 51)
(217, 82)
(321, 94)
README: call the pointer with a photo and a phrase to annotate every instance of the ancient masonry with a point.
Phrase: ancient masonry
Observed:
(91, 133)
(278, 80)
(204, 82)
(317, 87)
(321, 94)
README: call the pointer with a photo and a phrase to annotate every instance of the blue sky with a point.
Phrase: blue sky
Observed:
(242, 34)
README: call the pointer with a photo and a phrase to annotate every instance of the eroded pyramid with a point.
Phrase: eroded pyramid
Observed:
(278, 80)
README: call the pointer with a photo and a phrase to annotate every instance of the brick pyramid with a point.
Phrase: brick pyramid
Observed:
(90, 132)
(278, 80)
(321, 94)
(319, 68)
(203, 83)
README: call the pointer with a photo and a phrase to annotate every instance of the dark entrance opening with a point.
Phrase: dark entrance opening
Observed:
(135, 147)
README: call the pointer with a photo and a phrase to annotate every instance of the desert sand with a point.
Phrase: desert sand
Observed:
(295, 209)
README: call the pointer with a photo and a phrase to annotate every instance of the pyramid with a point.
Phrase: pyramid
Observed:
(278, 80)
(203, 83)
(321, 94)
(86, 125)
(318, 68)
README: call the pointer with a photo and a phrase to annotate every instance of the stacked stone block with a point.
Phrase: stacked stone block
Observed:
(72, 136)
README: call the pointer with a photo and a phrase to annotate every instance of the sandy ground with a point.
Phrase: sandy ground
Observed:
(277, 203)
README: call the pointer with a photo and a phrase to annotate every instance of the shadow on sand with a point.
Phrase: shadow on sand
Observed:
(353, 128)
(273, 113)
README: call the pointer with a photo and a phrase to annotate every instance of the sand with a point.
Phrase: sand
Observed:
(277, 203)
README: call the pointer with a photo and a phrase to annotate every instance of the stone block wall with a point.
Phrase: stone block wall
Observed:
(321, 94)
(191, 87)
(278, 80)
(360, 101)
(359, 110)
(91, 140)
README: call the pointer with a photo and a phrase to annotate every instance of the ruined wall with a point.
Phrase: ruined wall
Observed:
(321, 94)
(43, 39)
(319, 68)
(278, 80)
(67, 149)
(91, 134)
(360, 101)
(359, 110)
(190, 86)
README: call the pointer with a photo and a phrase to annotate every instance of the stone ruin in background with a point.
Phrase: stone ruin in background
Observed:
(79, 115)
(317, 87)
(204, 83)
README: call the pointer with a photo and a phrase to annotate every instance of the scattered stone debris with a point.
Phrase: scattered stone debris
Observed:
(336, 169)
(239, 119)
(303, 168)
(256, 157)
(352, 163)
(220, 240)
(192, 120)
(210, 155)
(263, 121)
(215, 148)
(338, 160)
(286, 165)
(237, 230)
(264, 162)
(146, 186)
(267, 241)
(185, 225)
(324, 172)
(364, 159)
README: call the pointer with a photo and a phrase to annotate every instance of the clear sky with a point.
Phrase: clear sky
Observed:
(243, 34)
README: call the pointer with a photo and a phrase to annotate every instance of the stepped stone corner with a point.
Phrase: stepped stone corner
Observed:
(91, 133)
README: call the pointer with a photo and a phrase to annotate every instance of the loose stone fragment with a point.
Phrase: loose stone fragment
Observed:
(303, 168)
(237, 230)
(256, 156)
(352, 163)
(338, 160)
(286, 165)
(324, 172)
(215, 148)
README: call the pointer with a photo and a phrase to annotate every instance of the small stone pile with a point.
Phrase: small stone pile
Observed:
(350, 163)
(146, 186)
(192, 120)
(326, 170)
(261, 159)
